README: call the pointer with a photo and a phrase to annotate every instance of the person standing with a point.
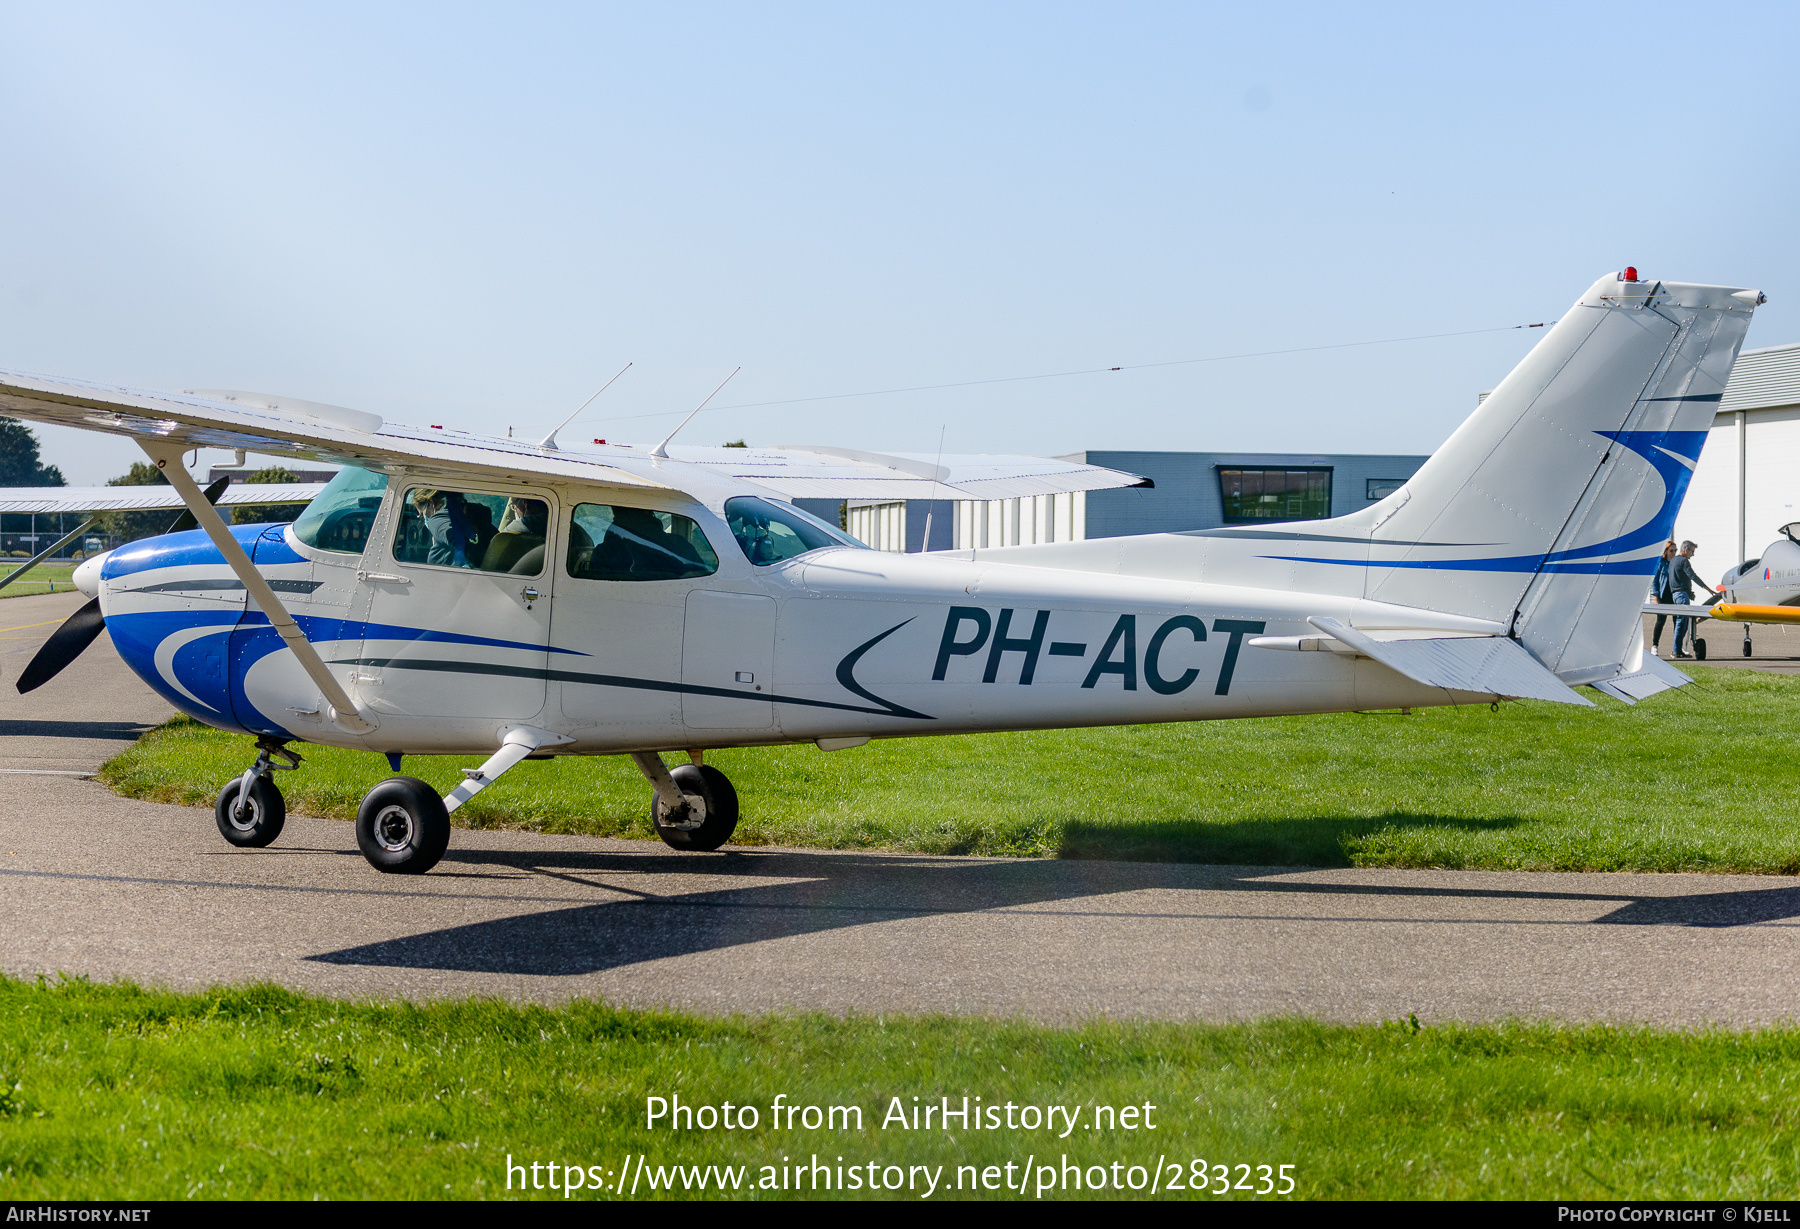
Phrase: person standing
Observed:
(1683, 582)
(1659, 592)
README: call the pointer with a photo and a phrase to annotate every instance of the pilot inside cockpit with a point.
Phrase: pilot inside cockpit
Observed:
(446, 520)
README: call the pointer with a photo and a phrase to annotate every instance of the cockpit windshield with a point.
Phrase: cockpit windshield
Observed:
(340, 517)
(769, 532)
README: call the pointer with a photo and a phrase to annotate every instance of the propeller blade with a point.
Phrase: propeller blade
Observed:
(186, 519)
(64, 646)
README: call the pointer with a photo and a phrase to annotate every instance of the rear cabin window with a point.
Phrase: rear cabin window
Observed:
(340, 516)
(464, 529)
(609, 542)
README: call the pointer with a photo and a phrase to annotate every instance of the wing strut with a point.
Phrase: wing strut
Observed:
(343, 709)
(46, 553)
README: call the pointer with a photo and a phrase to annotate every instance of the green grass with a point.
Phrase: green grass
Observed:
(45, 578)
(117, 1093)
(1701, 778)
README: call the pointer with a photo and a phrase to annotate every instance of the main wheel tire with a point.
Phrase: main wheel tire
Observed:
(721, 800)
(1699, 649)
(1746, 646)
(402, 827)
(265, 811)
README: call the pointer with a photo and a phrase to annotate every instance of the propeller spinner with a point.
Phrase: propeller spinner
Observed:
(83, 627)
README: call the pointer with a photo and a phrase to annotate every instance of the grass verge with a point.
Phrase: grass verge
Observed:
(112, 1092)
(1682, 782)
(42, 579)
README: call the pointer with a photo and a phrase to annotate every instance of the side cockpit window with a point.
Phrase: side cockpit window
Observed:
(609, 542)
(463, 529)
(340, 518)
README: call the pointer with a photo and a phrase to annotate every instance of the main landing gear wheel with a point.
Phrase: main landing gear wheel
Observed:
(260, 820)
(714, 790)
(402, 827)
(1699, 649)
(1746, 646)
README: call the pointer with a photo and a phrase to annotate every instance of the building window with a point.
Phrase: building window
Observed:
(1254, 494)
(1381, 488)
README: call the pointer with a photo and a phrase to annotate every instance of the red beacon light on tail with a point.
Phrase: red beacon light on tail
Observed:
(1630, 274)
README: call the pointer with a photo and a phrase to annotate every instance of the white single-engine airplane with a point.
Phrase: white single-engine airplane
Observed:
(459, 594)
(1763, 590)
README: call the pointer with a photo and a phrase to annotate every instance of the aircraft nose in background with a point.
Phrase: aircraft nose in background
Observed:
(87, 575)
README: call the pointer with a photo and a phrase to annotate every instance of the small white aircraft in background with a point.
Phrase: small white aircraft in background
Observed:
(450, 593)
(1763, 590)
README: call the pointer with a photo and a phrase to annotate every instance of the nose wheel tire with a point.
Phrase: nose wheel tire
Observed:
(1699, 649)
(263, 815)
(402, 827)
(714, 790)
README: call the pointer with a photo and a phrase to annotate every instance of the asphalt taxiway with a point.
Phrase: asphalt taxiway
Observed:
(110, 888)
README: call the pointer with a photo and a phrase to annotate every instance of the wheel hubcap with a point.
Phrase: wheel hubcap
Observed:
(243, 813)
(394, 829)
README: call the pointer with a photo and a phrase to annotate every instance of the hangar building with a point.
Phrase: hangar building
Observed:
(1747, 484)
(1745, 487)
(1194, 490)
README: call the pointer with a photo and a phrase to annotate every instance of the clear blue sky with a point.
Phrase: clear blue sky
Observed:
(473, 215)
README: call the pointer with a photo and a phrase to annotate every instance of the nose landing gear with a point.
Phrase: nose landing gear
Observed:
(250, 810)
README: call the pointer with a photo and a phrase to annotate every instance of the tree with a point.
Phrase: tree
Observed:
(736, 444)
(19, 466)
(267, 514)
(19, 463)
(130, 526)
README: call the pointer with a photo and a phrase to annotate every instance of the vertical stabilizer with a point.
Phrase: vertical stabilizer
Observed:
(1547, 509)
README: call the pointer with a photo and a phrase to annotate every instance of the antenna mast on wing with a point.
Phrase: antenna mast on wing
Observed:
(549, 441)
(662, 449)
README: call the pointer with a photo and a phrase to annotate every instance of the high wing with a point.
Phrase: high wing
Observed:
(809, 471)
(284, 427)
(50, 499)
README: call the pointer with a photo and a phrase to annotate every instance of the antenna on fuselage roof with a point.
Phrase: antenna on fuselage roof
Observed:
(549, 441)
(662, 449)
(931, 507)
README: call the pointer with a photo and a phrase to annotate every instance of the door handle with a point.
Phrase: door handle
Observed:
(531, 594)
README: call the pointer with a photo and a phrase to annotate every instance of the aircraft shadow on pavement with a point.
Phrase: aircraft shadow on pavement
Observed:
(1276, 840)
(816, 892)
(124, 731)
(823, 892)
(1745, 908)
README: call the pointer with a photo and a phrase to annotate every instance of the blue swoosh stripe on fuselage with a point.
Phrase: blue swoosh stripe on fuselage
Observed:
(216, 673)
(348, 629)
(1581, 560)
(1518, 563)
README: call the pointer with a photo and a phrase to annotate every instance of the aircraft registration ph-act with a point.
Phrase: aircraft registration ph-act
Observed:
(449, 593)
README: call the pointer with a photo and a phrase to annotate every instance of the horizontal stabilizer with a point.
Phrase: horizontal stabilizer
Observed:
(1488, 665)
(1656, 675)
